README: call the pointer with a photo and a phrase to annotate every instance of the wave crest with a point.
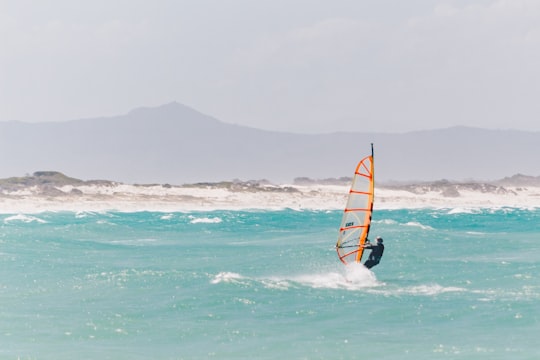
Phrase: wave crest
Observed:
(205, 220)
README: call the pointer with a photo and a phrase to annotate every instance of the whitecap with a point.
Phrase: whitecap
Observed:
(81, 214)
(24, 218)
(226, 277)
(417, 224)
(385, 222)
(205, 220)
(276, 284)
(459, 210)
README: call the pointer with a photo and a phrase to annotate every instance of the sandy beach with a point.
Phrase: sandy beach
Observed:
(167, 198)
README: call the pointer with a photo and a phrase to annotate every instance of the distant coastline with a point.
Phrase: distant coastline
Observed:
(54, 191)
(177, 143)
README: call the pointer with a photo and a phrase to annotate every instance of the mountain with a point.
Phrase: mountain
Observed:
(176, 144)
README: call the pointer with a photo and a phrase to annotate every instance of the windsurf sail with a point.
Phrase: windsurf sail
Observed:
(356, 221)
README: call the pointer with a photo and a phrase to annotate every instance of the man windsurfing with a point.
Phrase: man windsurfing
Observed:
(376, 252)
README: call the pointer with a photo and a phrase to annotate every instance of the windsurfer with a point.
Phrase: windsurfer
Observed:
(376, 252)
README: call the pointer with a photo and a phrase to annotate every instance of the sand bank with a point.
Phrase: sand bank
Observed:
(166, 198)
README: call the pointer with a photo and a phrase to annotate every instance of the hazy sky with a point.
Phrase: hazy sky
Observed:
(291, 65)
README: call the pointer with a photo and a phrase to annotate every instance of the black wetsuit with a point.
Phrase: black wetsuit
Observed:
(375, 256)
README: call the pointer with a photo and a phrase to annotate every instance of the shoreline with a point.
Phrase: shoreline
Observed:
(167, 198)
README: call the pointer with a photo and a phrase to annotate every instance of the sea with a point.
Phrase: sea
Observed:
(452, 284)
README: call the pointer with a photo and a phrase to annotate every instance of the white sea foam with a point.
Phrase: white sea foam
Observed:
(432, 289)
(353, 277)
(332, 280)
(385, 222)
(417, 224)
(460, 210)
(417, 290)
(82, 214)
(227, 277)
(205, 220)
(24, 218)
(277, 284)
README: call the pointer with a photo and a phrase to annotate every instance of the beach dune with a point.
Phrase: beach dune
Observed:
(53, 191)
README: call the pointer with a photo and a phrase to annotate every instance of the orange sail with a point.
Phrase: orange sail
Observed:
(356, 221)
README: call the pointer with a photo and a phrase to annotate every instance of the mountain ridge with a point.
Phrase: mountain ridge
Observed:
(174, 143)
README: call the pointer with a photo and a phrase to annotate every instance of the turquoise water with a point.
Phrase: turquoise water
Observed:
(268, 284)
